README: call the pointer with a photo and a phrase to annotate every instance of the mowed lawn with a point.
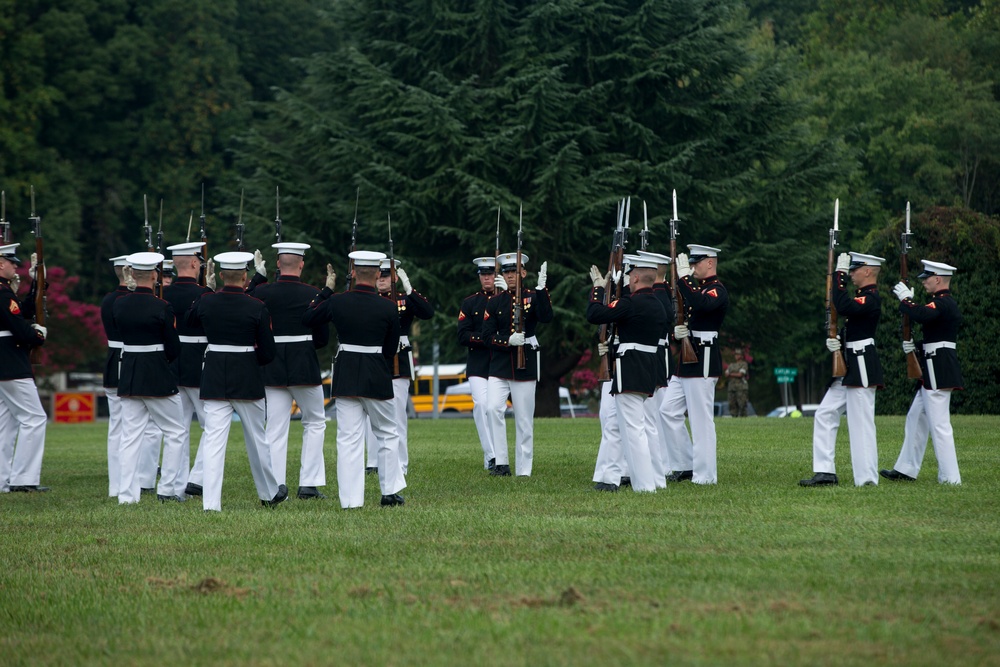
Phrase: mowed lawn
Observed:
(475, 570)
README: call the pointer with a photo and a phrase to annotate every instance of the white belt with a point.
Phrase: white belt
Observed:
(114, 344)
(930, 349)
(363, 349)
(404, 342)
(859, 345)
(142, 348)
(625, 347)
(662, 341)
(304, 338)
(533, 342)
(228, 348)
(4, 334)
(193, 339)
(706, 337)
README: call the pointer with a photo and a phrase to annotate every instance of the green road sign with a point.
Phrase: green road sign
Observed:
(785, 375)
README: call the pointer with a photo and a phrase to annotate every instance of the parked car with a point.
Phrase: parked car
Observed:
(808, 410)
(722, 409)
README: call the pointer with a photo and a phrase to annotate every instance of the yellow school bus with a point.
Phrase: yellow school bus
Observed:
(422, 389)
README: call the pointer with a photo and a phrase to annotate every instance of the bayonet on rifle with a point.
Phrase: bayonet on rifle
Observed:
(4, 224)
(913, 371)
(839, 366)
(40, 286)
(518, 314)
(393, 294)
(277, 214)
(203, 275)
(688, 355)
(354, 241)
(239, 226)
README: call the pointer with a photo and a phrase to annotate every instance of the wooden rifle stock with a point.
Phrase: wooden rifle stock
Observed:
(519, 313)
(604, 335)
(913, 371)
(839, 365)
(688, 355)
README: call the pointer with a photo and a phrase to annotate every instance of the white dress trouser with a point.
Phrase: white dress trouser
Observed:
(191, 403)
(522, 396)
(610, 458)
(22, 421)
(312, 468)
(632, 426)
(479, 388)
(137, 413)
(114, 439)
(697, 451)
(655, 439)
(929, 416)
(218, 420)
(149, 455)
(400, 398)
(351, 414)
(859, 403)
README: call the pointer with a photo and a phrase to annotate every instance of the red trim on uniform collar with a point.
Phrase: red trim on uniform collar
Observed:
(184, 279)
(231, 289)
(710, 279)
(644, 289)
(143, 290)
(122, 288)
(370, 289)
(282, 278)
(941, 292)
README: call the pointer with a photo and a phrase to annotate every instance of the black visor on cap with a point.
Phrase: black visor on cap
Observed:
(925, 274)
(486, 270)
(385, 273)
(12, 258)
(508, 268)
(694, 259)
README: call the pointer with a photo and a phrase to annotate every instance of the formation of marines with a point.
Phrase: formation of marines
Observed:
(249, 347)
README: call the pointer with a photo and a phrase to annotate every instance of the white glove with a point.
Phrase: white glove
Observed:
(127, 275)
(516, 340)
(210, 275)
(602, 349)
(625, 280)
(15, 282)
(843, 262)
(259, 264)
(681, 331)
(902, 292)
(42, 331)
(833, 344)
(542, 275)
(597, 278)
(908, 346)
(499, 284)
(34, 265)
(401, 274)
(331, 278)
(616, 275)
(683, 266)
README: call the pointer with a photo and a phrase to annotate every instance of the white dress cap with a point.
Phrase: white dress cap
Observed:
(7, 252)
(485, 265)
(858, 260)
(637, 262)
(119, 260)
(654, 256)
(696, 252)
(936, 269)
(366, 257)
(289, 248)
(383, 265)
(508, 260)
(233, 261)
(144, 261)
(181, 249)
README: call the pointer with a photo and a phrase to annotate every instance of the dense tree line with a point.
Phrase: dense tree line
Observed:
(758, 114)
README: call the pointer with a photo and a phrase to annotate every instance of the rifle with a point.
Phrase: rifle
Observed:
(644, 234)
(159, 248)
(354, 242)
(393, 294)
(518, 313)
(615, 261)
(240, 226)
(688, 355)
(913, 371)
(277, 215)
(4, 223)
(496, 254)
(203, 274)
(839, 366)
(40, 313)
(147, 229)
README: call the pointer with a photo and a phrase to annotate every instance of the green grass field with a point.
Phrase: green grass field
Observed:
(540, 571)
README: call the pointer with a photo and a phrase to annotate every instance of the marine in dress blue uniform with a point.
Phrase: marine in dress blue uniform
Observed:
(505, 378)
(294, 374)
(930, 414)
(22, 418)
(640, 321)
(240, 341)
(477, 365)
(146, 387)
(692, 388)
(855, 392)
(368, 333)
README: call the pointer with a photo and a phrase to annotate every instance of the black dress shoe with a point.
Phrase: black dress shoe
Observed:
(148, 491)
(29, 488)
(500, 471)
(625, 481)
(309, 492)
(681, 476)
(171, 499)
(604, 486)
(371, 471)
(492, 464)
(192, 489)
(392, 500)
(820, 479)
(896, 475)
(279, 497)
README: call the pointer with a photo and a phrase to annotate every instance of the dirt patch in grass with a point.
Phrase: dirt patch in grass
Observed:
(206, 586)
(568, 598)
